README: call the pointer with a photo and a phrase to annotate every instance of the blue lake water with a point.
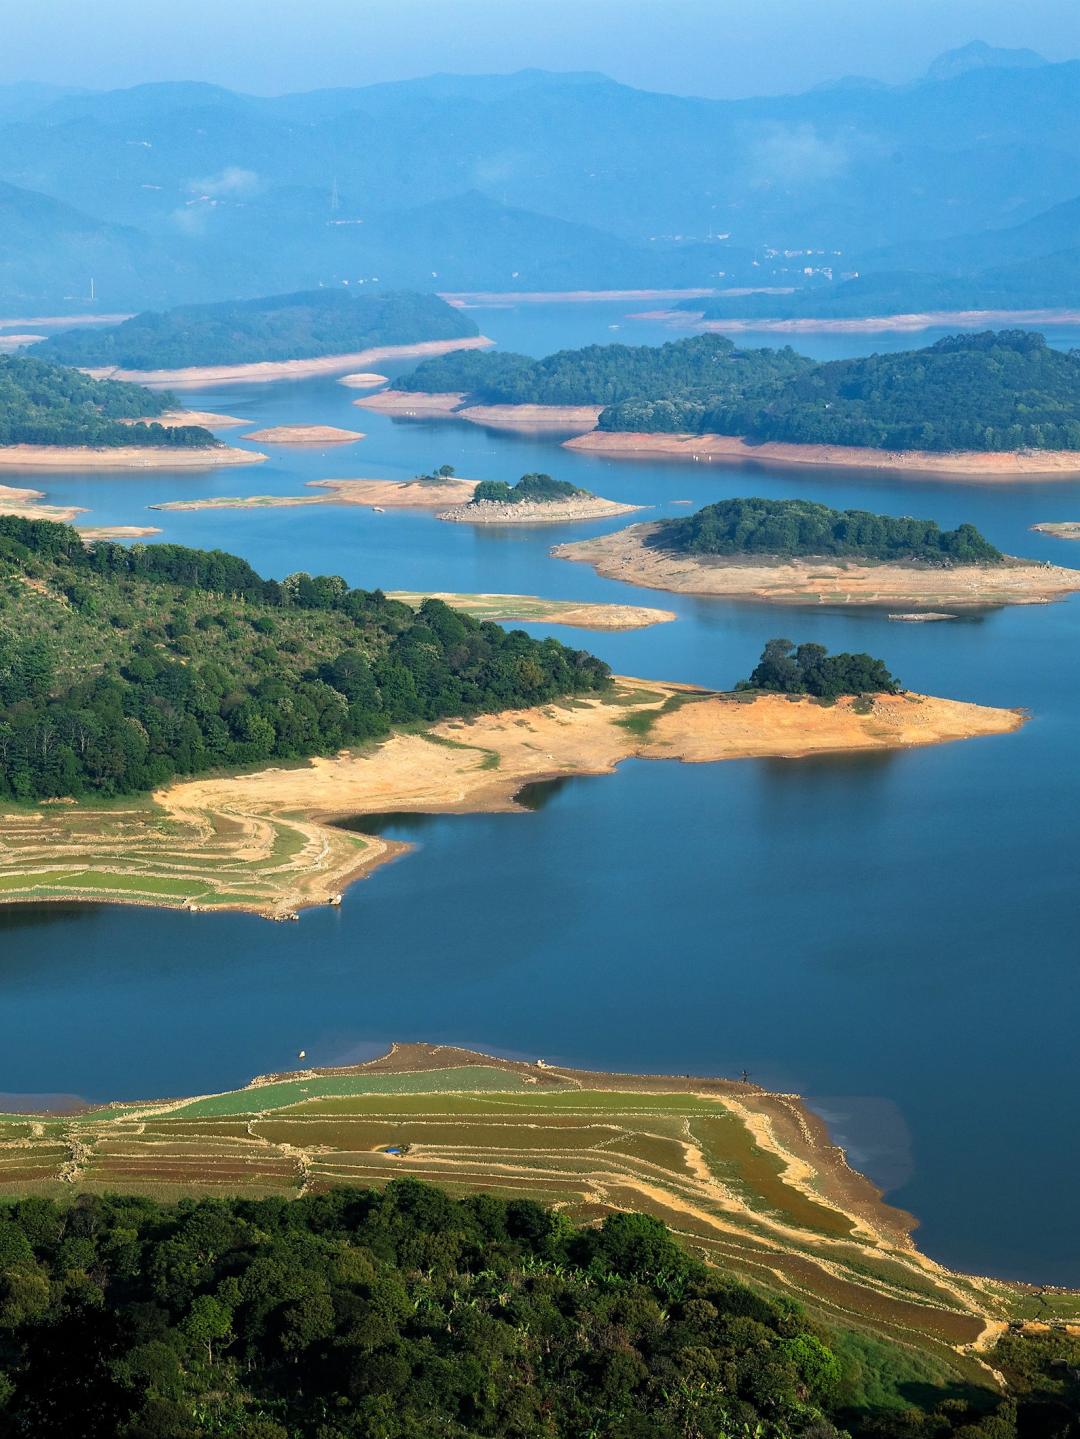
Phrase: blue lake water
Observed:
(892, 935)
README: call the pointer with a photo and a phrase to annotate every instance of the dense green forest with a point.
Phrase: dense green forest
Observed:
(404, 1314)
(708, 365)
(809, 669)
(803, 527)
(1004, 390)
(121, 667)
(43, 404)
(537, 488)
(280, 327)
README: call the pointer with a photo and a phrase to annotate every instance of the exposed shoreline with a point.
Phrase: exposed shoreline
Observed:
(967, 464)
(624, 555)
(866, 324)
(1061, 529)
(533, 512)
(464, 299)
(370, 494)
(423, 405)
(533, 609)
(265, 371)
(305, 435)
(225, 837)
(124, 457)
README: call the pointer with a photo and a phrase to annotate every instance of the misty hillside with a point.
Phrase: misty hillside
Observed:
(529, 181)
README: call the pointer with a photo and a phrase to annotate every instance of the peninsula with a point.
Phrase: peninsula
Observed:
(799, 552)
(533, 610)
(992, 404)
(700, 1211)
(278, 337)
(52, 416)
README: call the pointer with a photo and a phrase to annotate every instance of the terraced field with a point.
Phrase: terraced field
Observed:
(747, 1178)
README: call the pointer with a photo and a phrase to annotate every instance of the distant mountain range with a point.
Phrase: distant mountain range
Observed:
(172, 193)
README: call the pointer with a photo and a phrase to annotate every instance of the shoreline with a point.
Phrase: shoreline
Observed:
(304, 435)
(266, 371)
(624, 555)
(453, 405)
(466, 299)
(909, 322)
(530, 512)
(1059, 529)
(123, 457)
(222, 844)
(533, 609)
(370, 494)
(968, 464)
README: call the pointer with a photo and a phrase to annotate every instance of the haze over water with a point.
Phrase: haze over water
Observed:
(890, 935)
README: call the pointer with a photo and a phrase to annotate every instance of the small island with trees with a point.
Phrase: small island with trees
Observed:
(802, 552)
(535, 499)
(997, 402)
(53, 415)
(275, 337)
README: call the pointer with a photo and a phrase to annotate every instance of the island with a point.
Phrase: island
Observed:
(207, 667)
(305, 435)
(439, 1214)
(804, 553)
(1061, 530)
(990, 404)
(52, 416)
(295, 336)
(536, 499)
(425, 492)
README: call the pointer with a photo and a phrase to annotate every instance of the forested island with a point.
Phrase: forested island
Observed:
(534, 488)
(534, 498)
(122, 667)
(47, 404)
(788, 528)
(992, 392)
(802, 552)
(306, 325)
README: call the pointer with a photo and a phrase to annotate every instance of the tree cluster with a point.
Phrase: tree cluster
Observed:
(404, 1314)
(803, 527)
(120, 668)
(997, 391)
(809, 669)
(302, 326)
(536, 488)
(45, 404)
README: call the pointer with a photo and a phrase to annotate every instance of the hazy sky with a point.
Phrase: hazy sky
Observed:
(705, 47)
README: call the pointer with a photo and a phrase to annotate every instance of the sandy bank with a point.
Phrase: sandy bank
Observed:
(206, 418)
(422, 405)
(869, 324)
(1064, 530)
(196, 376)
(28, 505)
(305, 435)
(531, 512)
(965, 464)
(363, 381)
(262, 842)
(624, 555)
(373, 494)
(532, 609)
(123, 457)
(16, 342)
(465, 298)
(90, 533)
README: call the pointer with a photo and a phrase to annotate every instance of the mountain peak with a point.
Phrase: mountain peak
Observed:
(978, 55)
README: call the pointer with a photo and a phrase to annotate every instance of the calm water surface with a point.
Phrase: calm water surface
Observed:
(892, 936)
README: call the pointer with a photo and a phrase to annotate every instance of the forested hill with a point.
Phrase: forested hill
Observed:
(706, 365)
(303, 326)
(122, 667)
(792, 528)
(43, 404)
(1001, 391)
(407, 1313)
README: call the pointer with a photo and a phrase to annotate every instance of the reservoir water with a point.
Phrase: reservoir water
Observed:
(891, 936)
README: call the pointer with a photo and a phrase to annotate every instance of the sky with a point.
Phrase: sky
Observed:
(723, 48)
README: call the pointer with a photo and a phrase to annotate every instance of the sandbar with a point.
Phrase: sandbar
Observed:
(962, 464)
(534, 610)
(1061, 530)
(625, 555)
(423, 405)
(27, 505)
(373, 494)
(265, 842)
(265, 371)
(124, 457)
(366, 380)
(869, 324)
(305, 435)
(90, 533)
(532, 512)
